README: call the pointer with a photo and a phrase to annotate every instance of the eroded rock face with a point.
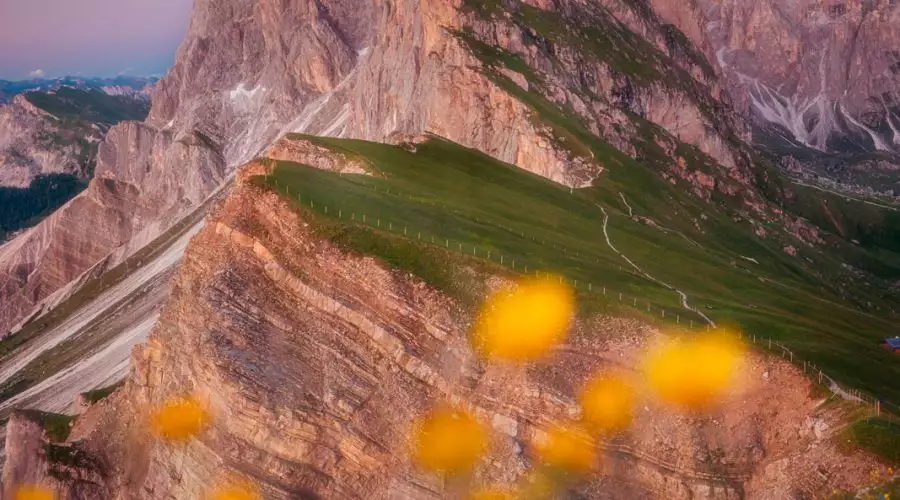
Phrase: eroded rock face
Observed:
(315, 363)
(140, 181)
(33, 143)
(826, 71)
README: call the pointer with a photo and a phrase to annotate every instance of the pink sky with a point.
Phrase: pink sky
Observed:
(89, 37)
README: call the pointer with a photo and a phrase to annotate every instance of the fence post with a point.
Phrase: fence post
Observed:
(590, 287)
(663, 313)
(340, 214)
(604, 291)
(620, 297)
(501, 260)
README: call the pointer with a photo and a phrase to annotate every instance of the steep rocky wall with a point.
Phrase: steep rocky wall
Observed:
(248, 72)
(826, 71)
(31, 143)
(315, 363)
(140, 180)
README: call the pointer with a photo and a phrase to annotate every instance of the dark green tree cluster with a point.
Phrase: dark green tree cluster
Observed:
(20, 207)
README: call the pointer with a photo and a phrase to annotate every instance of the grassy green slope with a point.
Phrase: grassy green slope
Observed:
(92, 105)
(460, 195)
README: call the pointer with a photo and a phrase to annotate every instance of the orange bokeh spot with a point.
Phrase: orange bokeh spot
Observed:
(449, 440)
(694, 373)
(179, 419)
(568, 448)
(607, 404)
(235, 490)
(492, 494)
(33, 492)
(523, 324)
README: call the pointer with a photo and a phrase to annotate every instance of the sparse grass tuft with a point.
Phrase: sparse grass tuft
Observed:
(102, 393)
(57, 426)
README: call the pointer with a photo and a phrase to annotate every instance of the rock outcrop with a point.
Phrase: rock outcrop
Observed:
(32, 143)
(315, 363)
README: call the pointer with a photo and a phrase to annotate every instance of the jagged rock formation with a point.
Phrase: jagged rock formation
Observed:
(315, 362)
(824, 72)
(28, 147)
(246, 75)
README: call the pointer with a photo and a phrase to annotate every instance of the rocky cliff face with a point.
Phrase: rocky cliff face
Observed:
(250, 71)
(33, 143)
(825, 72)
(315, 363)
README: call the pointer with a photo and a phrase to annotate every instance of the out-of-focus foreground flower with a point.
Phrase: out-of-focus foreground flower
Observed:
(694, 373)
(607, 403)
(33, 492)
(179, 419)
(568, 448)
(493, 494)
(449, 440)
(235, 490)
(523, 324)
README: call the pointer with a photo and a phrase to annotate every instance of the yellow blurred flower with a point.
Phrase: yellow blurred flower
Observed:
(179, 419)
(523, 324)
(693, 373)
(32, 492)
(235, 490)
(449, 440)
(568, 448)
(607, 403)
(493, 494)
(538, 485)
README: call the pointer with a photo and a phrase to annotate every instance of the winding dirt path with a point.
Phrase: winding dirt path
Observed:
(684, 296)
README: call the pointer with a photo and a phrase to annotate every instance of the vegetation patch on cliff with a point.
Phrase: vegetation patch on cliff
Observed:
(880, 436)
(56, 425)
(102, 393)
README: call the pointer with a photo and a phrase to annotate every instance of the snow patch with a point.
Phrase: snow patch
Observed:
(241, 93)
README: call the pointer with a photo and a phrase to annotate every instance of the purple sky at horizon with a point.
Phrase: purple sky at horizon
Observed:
(53, 38)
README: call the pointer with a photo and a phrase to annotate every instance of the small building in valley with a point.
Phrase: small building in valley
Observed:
(892, 344)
